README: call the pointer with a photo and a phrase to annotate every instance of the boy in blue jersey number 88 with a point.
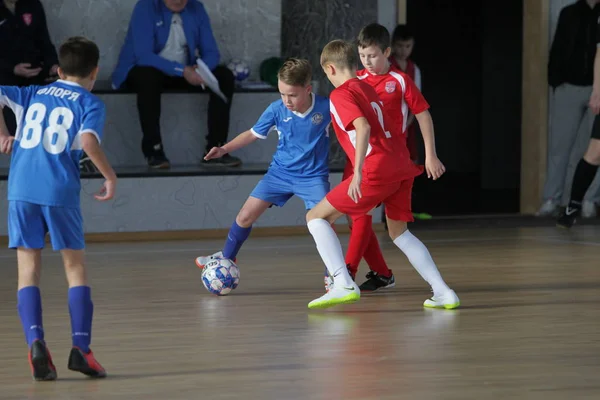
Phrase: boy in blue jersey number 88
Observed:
(300, 165)
(55, 124)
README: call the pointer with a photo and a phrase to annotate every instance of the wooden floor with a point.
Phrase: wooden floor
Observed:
(528, 328)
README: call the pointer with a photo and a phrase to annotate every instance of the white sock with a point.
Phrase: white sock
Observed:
(330, 249)
(421, 260)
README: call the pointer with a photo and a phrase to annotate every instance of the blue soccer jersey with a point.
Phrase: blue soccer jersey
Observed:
(303, 148)
(44, 168)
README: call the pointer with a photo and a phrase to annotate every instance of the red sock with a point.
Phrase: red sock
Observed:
(374, 258)
(357, 246)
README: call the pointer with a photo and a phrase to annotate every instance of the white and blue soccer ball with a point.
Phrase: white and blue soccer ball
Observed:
(240, 69)
(220, 276)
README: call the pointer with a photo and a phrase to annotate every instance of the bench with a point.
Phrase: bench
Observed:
(105, 87)
(183, 124)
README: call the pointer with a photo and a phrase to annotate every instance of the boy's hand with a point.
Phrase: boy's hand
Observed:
(354, 188)
(6, 144)
(108, 190)
(215, 152)
(434, 167)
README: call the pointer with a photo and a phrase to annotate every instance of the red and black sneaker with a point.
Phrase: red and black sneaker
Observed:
(40, 361)
(85, 363)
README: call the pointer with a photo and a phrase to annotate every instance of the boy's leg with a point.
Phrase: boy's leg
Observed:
(66, 232)
(312, 191)
(398, 214)
(26, 230)
(584, 176)
(242, 226)
(334, 205)
(271, 190)
(379, 276)
(81, 310)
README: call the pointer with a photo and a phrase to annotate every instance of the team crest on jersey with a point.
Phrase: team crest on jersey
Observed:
(390, 86)
(317, 118)
(28, 19)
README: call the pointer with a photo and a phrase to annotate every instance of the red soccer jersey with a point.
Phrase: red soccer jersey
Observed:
(386, 161)
(399, 95)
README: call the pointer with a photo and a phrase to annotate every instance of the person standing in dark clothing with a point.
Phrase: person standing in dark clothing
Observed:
(570, 75)
(27, 55)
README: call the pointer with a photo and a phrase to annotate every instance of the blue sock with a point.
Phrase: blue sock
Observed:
(81, 310)
(30, 312)
(235, 239)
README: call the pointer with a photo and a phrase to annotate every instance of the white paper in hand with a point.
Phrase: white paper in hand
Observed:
(209, 78)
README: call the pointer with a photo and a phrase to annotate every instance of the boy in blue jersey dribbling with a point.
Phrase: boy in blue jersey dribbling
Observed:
(55, 124)
(300, 165)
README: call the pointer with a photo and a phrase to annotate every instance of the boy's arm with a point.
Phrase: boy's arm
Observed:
(363, 131)
(433, 165)
(91, 147)
(260, 130)
(241, 140)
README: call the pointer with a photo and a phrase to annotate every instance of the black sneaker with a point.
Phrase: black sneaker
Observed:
(156, 158)
(375, 282)
(40, 361)
(158, 162)
(85, 363)
(226, 161)
(86, 166)
(568, 217)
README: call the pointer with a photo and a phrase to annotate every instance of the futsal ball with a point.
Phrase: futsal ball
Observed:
(220, 276)
(240, 69)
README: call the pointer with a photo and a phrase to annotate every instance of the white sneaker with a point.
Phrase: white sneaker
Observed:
(588, 209)
(337, 294)
(448, 300)
(202, 261)
(549, 208)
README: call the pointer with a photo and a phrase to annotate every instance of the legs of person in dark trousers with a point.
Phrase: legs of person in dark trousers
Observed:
(218, 116)
(149, 83)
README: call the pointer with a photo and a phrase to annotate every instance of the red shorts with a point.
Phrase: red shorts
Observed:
(348, 170)
(395, 196)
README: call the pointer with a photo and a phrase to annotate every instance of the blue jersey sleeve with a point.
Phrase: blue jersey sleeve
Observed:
(14, 97)
(93, 121)
(265, 123)
(209, 51)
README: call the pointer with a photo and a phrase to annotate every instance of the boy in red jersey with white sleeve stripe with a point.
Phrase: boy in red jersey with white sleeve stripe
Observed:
(399, 95)
(382, 173)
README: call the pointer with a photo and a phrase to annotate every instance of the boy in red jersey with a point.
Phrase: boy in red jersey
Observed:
(382, 173)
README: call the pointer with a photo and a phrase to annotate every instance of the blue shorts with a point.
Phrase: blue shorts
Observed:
(28, 224)
(278, 189)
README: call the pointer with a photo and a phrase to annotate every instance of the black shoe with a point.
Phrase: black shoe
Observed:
(568, 217)
(156, 158)
(158, 162)
(226, 161)
(85, 363)
(375, 282)
(40, 361)
(86, 166)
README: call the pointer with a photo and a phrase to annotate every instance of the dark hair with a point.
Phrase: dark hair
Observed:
(374, 34)
(78, 57)
(402, 32)
(340, 53)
